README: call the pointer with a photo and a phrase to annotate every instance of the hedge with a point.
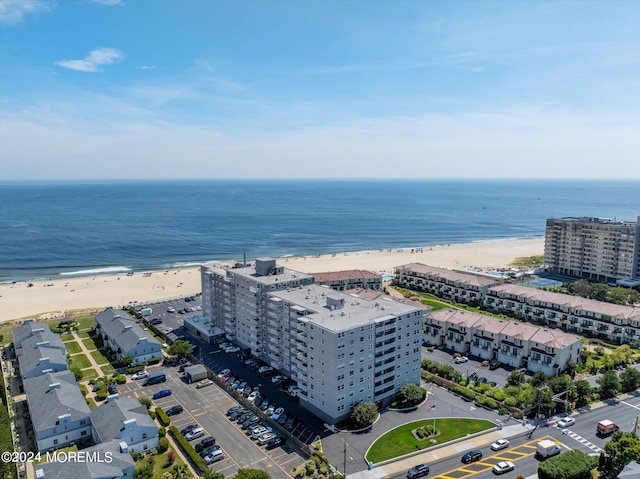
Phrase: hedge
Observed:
(135, 369)
(162, 416)
(186, 446)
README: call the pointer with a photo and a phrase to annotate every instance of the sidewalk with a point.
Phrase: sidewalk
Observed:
(457, 448)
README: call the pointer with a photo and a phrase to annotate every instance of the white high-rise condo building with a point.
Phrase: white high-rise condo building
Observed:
(594, 248)
(340, 349)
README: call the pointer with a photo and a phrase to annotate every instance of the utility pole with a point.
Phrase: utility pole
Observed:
(345, 459)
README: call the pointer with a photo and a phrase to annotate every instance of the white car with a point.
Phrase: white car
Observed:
(204, 383)
(171, 310)
(461, 359)
(277, 413)
(224, 372)
(270, 410)
(499, 444)
(140, 375)
(254, 394)
(232, 350)
(504, 466)
(566, 422)
(264, 438)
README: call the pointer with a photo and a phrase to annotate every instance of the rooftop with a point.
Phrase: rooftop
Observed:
(447, 274)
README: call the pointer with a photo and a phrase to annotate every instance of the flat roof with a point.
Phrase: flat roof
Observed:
(312, 299)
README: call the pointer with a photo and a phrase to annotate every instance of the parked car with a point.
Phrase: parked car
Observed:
(282, 420)
(250, 422)
(264, 405)
(155, 321)
(566, 422)
(206, 442)
(208, 450)
(265, 437)
(264, 369)
(173, 410)
(233, 409)
(253, 395)
(162, 394)
(215, 456)
(472, 456)
(187, 429)
(481, 380)
(277, 413)
(195, 434)
(504, 466)
(275, 442)
(171, 310)
(204, 383)
(236, 414)
(224, 372)
(140, 375)
(112, 388)
(277, 378)
(499, 444)
(461, 359)
(494, 365)
(270, 410)
(290, 423)
(420, 470)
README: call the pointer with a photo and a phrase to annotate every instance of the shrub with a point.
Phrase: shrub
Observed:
(102, 393)
(121, 379)
(364, 414)
(189, 450)
(145, 401)
(163, 444)
(162, 416)
(162, 432)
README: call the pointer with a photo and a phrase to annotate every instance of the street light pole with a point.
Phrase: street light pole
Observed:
(345, 459)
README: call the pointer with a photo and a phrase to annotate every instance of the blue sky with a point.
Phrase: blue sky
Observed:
(319, 89)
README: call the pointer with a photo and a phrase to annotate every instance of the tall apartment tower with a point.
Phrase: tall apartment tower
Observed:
(594, 248)
(235, 299)
(339, 348)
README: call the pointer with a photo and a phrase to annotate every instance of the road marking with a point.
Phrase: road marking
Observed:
(629, 404)
(582, 440)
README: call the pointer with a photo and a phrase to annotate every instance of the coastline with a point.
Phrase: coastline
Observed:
(54, 298)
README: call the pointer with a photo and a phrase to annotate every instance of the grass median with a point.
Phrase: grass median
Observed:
(400, 440)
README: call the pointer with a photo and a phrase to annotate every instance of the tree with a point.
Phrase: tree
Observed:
(126, 361)
(210, 474)
(251, 474)
(410, 394)
(145, 401)
(364, 414)
(609, 385)
(570, 465)
(179, 348)
(583, 392)
(623, 448)
(630, 379)
(516, 378)
(538, 379)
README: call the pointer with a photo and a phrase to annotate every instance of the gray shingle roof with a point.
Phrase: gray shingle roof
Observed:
(35, 348)
(25, 330)
(108, 418)
(48, 404)
(98, 469)
(121, 327)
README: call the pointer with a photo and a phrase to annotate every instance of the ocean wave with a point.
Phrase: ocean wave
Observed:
(109, 269)
(188, 264)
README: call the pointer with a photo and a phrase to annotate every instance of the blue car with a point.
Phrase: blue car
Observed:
(162, 394)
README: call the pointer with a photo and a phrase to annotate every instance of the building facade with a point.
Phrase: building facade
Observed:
(460, 287)
(349, 279)
(342, 350)
(122, 334)
(599, 249)
(587, 317)
(514, 343)
(59, 413)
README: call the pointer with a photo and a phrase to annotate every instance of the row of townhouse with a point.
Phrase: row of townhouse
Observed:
(125, 337)
(447, 284)
(349, 279)
(587, 317)
(611, 322)
(517, 344)
(341, 349)
(60, 416)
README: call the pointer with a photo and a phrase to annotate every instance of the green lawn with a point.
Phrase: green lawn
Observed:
(73, 347)
(66, 337)
(400, 441)
(80, 361)
(107, 370)
(89, 344)
(86, 322)
(89, 373)
(99, 358)
(84, 334)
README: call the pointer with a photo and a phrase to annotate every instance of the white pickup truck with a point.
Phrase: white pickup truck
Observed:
(547, 448)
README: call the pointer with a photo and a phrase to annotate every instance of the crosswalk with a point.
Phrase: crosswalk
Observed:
(581, 440)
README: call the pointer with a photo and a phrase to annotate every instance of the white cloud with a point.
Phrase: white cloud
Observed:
(13, 11)
(97, 57)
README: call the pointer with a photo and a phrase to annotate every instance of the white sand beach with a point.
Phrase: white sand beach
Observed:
(57, 297)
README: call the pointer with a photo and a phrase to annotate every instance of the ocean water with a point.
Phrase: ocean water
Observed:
(49, 230)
